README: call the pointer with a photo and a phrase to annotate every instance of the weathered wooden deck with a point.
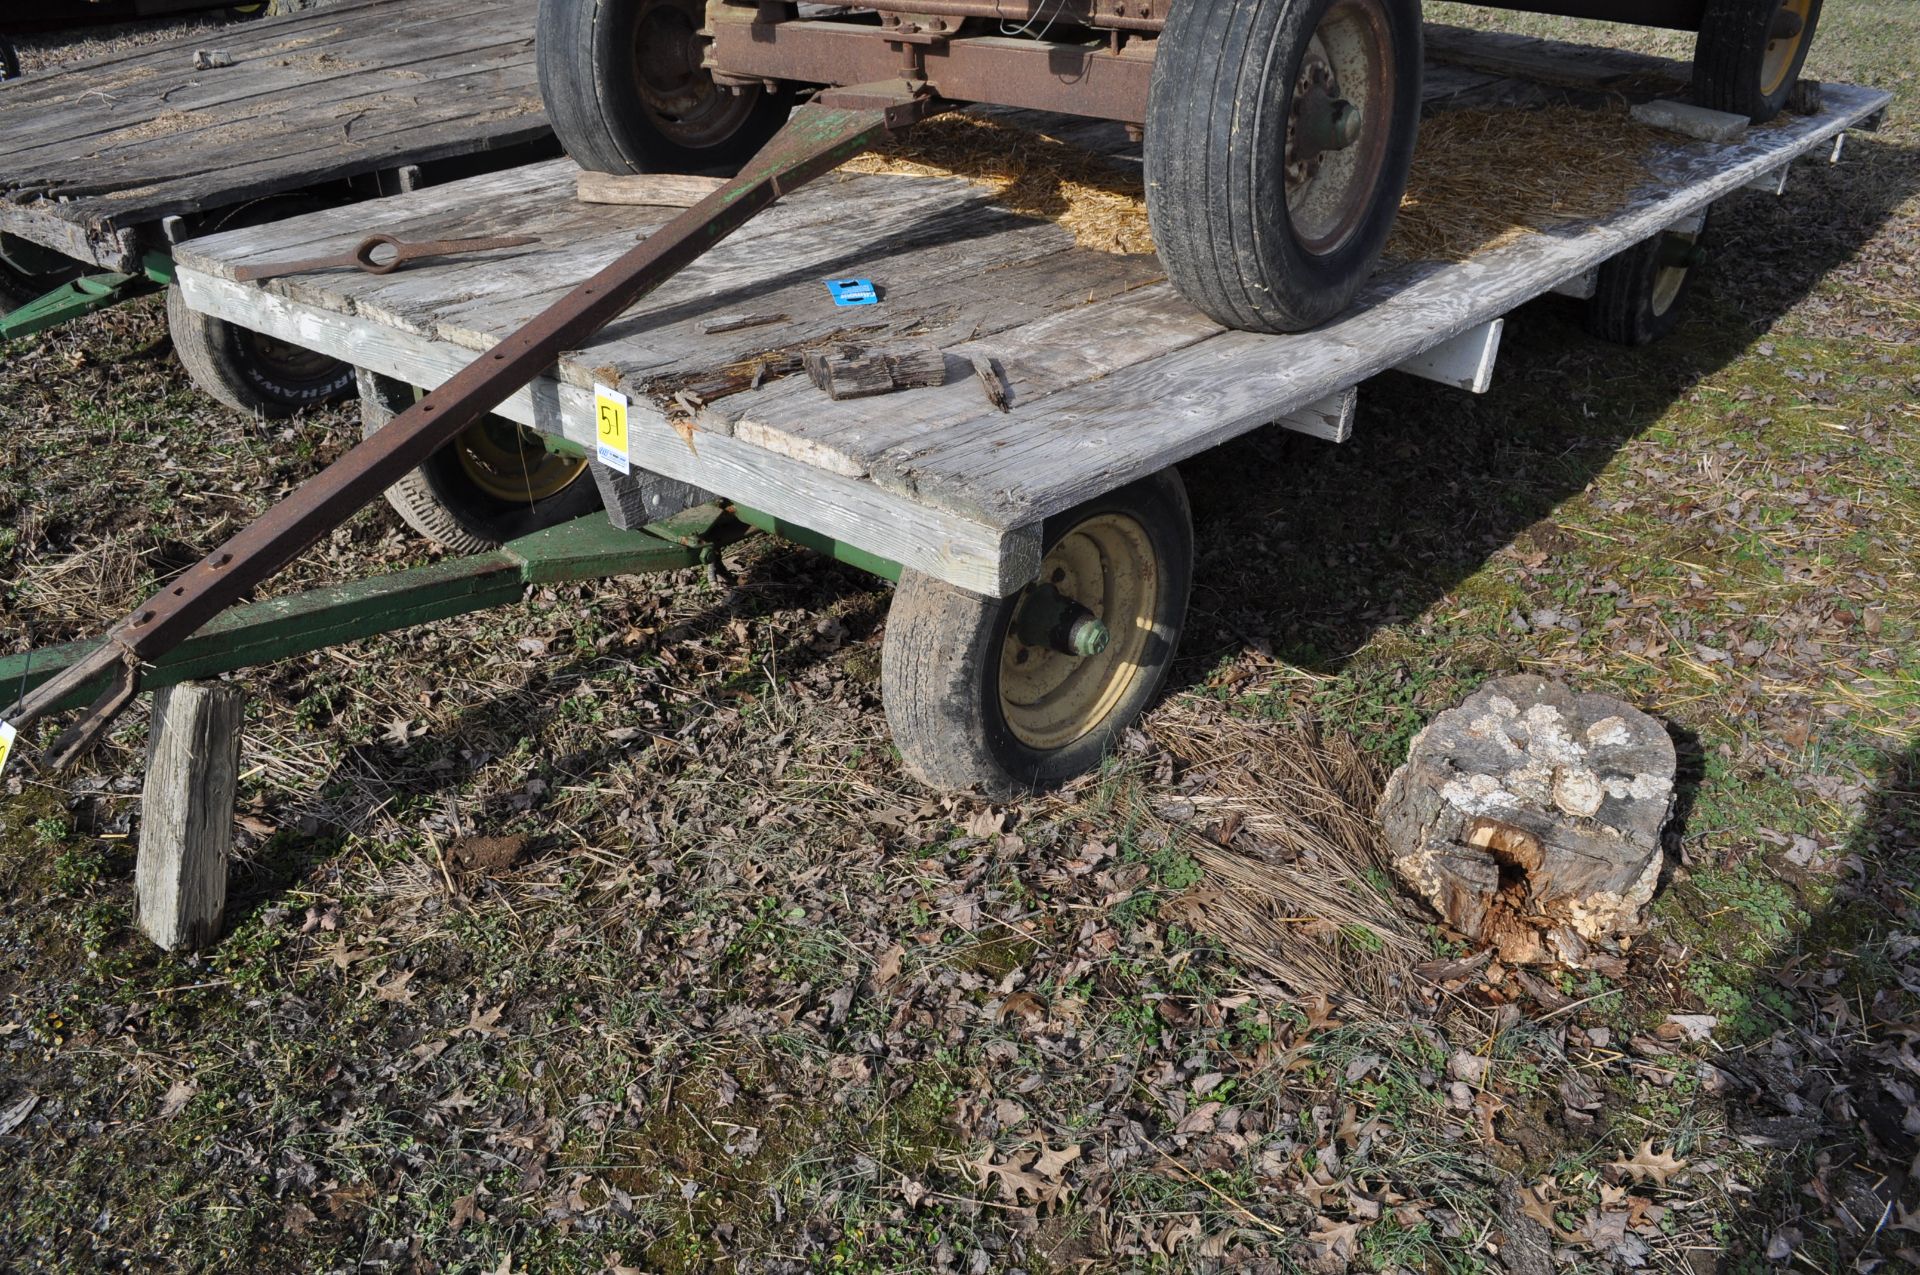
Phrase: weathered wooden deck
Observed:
(94, 155)
(1112, 374)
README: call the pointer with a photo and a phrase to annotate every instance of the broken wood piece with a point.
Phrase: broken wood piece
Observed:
(735, 322)
(1529, 817)
(186, 812)
(852, 371)
(983, 367)
(653, 190)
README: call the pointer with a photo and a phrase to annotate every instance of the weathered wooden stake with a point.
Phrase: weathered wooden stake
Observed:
(186, 812)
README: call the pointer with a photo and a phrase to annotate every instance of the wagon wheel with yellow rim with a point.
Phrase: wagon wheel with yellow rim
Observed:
(494, 482)
(1639, 295)
(1027, 691)
(1750, 52)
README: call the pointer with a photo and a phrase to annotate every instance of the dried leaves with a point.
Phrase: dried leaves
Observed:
(1031, 1175)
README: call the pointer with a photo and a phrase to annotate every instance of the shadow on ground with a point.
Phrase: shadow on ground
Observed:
(1830, 1092)
(1310, 548)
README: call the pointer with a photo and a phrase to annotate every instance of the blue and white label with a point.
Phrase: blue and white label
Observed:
(853, 292)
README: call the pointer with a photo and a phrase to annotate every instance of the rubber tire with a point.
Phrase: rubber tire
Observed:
(599, 117)
(217, 359)
(1730, 51)
(1621, 309)
(440, 501)
(940, 660)
(1216, 162)
(9, 60)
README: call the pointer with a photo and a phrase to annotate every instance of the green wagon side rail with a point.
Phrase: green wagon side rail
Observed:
(262, 632)
(587, 548)
(83, 296)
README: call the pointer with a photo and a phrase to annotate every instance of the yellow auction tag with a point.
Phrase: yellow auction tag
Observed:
(610, 426)
(7, 734)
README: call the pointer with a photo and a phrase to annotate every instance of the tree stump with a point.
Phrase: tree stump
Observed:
(1530, 818)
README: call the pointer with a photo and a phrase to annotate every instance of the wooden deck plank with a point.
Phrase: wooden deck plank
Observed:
(1025, 465)
(98, 152)
(1112, 374)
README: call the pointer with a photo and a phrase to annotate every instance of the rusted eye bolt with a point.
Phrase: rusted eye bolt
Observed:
(385, 263)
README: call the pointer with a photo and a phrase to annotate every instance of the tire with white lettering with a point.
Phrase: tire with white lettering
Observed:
(250, 371)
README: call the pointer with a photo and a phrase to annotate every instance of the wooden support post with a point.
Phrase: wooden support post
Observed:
(186, 813)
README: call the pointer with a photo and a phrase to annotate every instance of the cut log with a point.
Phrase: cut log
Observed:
(186, 812)
(1530, 818)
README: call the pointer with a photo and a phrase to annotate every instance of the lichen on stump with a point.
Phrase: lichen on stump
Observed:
(1530, 818)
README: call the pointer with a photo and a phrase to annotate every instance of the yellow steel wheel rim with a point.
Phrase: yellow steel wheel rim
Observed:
(1668, 280)
(510, 463)
(1049, 698)
(1781, 54)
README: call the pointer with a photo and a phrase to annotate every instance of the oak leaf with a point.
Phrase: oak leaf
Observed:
(1647, 1165)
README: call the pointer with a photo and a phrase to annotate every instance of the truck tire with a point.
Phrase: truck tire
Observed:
(625, 92)
(492, 484)
(1638, 294)
(1750, 53)
(249, 371)
(1003, 694)
(1279, 135)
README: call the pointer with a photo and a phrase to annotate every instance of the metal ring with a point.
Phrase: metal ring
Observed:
(363, 255)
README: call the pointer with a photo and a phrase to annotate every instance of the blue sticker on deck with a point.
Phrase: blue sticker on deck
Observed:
(853, 291)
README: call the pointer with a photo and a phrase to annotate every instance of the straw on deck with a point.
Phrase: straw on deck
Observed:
(1481, 177)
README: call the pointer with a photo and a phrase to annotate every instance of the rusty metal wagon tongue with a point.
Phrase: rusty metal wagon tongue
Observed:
(818, 138)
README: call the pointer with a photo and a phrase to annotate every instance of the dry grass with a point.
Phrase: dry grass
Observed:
(1297, 886)
(1102, 204)
(1481, 177)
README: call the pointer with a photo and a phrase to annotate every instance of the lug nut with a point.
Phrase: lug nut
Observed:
(1088, 636)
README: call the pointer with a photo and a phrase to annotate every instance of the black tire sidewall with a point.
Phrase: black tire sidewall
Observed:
(585, 54)
(1216, 161)
(275, 393)
(1729, 52)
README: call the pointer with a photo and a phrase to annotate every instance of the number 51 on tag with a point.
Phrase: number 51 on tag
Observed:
(610, 427)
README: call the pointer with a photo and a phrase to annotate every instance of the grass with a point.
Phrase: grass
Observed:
(754, 1001)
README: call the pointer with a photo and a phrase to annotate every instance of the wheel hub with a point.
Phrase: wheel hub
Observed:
(1338, 115)
(676, 89)
(511, 464)
(1784, 38)
(1079, 635)
(1309, 122)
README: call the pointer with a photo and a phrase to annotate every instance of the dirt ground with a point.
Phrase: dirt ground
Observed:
(605, 932)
